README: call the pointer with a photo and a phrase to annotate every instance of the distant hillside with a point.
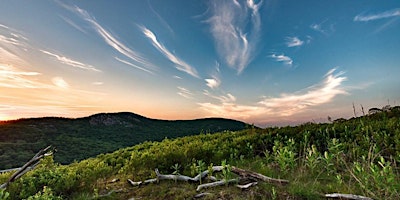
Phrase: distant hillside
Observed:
(77, 139)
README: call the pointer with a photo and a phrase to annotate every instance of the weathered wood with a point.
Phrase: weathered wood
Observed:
(247, 185)
(202, 195)
(347, 196)
(216, 183)
(133, 183)
(246, 173)
(31, 164)
(173, 177)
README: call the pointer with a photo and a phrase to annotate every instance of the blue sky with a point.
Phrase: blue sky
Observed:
(263, 62)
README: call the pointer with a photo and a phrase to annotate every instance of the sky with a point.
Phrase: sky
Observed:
(268, 62)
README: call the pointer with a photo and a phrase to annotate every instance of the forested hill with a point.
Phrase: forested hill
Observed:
(77, 139)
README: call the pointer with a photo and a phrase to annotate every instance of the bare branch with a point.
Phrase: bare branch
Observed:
(216, 183)
(347, 196)
(31, 164)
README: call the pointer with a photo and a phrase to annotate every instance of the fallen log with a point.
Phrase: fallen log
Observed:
(347, 196)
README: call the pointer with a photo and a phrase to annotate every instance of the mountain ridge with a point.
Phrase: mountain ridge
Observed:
(81, 138)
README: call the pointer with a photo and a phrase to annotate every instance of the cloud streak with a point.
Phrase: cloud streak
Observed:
(387, 14)
(281, 106)
(294, 42)
(185, 92)
(282, 58)
(11, 77)
(228, 23)
(71, 62)
(180, 64)
(110, 39)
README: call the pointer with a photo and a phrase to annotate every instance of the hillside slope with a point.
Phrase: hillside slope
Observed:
(359, 156)
(77, 139)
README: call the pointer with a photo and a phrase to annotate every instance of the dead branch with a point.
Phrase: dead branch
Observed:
(202, 195)
(31, 164)
(216, 183)
(173, 177)
(246, 173)
(153, 180)
(247, 185)
(347, 196)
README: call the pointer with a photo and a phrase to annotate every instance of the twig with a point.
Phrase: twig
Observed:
(347, 196)
(202, 194)
(247, 185)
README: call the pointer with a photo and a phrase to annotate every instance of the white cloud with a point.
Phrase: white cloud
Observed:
(185, 92)
(324, 92)
(282, 106)
(282, 58)
(70, 62)
(228, 24)
(387, 14)
(293, 42)
(60, 82)
(213, 82)
(180, 64)
(177, 77)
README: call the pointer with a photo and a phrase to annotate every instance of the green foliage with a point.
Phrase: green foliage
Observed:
(285, 155)
(45, 194)
(4, 194)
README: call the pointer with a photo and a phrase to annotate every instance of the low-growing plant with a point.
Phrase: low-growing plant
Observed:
(4, 194)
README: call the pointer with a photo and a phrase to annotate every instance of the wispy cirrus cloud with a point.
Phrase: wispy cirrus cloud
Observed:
(323, 28)
(9, 36)
(282, 58)
(294, 42)
(324, 92)
(71, 62)
(185, 92)
(215, 81)
(111, 39)
(370, 17)
(12, 77)
(180, 64)
(229, 22)
(133, 65)
(282, 106)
